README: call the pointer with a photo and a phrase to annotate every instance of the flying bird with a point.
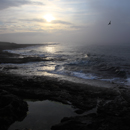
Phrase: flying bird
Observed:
(109, 23)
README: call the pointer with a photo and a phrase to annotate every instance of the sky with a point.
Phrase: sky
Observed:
(77, 21)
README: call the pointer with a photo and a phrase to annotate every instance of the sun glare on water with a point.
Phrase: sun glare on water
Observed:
(49, 17)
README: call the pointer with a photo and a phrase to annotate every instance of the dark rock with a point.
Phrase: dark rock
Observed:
(116, 107)
(113, 111)
(12, 109)
(79, 111)
(111, 115)
(75, 123)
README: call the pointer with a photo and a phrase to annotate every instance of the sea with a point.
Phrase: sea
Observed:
(76, 62)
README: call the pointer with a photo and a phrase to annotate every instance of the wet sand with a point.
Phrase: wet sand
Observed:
(112, 104)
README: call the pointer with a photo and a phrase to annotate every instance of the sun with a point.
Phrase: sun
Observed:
(49, 17)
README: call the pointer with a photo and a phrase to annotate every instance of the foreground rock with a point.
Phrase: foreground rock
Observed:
(81, 96)
(12, 109)
(111, 105)
(113, 115)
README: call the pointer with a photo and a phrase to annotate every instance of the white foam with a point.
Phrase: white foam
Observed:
(114, 80)
(84, 76)
(128, 81)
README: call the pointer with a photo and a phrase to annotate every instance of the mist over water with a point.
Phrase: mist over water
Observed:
(84, 61)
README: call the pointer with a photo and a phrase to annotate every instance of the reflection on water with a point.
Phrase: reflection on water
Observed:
(46, 68)
(50, 49)
(43, 114)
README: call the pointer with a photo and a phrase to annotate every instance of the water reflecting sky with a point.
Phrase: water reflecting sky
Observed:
(43, 114)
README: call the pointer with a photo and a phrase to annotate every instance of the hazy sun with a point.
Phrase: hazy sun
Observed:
(49, 17)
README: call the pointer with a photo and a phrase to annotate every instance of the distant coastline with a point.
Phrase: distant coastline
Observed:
(10, 45)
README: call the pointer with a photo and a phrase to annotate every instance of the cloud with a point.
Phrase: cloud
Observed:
(4, 4)
(110, 9)
(85, 20)
(61, 22)
(3, 29)
(44, 21)
(77, 27)
(33, 20)
(108, 34)
(25, 37)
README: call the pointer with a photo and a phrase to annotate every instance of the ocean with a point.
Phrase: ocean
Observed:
(77, 62)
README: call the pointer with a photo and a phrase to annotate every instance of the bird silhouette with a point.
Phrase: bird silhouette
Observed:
(109, 23)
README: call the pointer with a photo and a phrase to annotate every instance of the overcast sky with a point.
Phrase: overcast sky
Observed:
(81, 21)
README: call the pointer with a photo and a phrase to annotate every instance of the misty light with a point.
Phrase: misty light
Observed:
(49, 17)
(50, 49)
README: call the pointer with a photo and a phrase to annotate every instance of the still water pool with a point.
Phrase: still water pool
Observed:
(43, 114)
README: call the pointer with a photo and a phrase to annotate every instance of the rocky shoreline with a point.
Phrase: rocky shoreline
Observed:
(12, 108)
(112, 105)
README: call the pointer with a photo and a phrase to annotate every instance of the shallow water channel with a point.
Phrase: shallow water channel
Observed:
(43, 114)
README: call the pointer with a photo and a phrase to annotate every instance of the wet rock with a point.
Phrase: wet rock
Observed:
(12, 109)
(75, 123)
(121, 74)
(113, 70)
(111, 115)
(112, 105)
(116, 107)
(79, 111)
